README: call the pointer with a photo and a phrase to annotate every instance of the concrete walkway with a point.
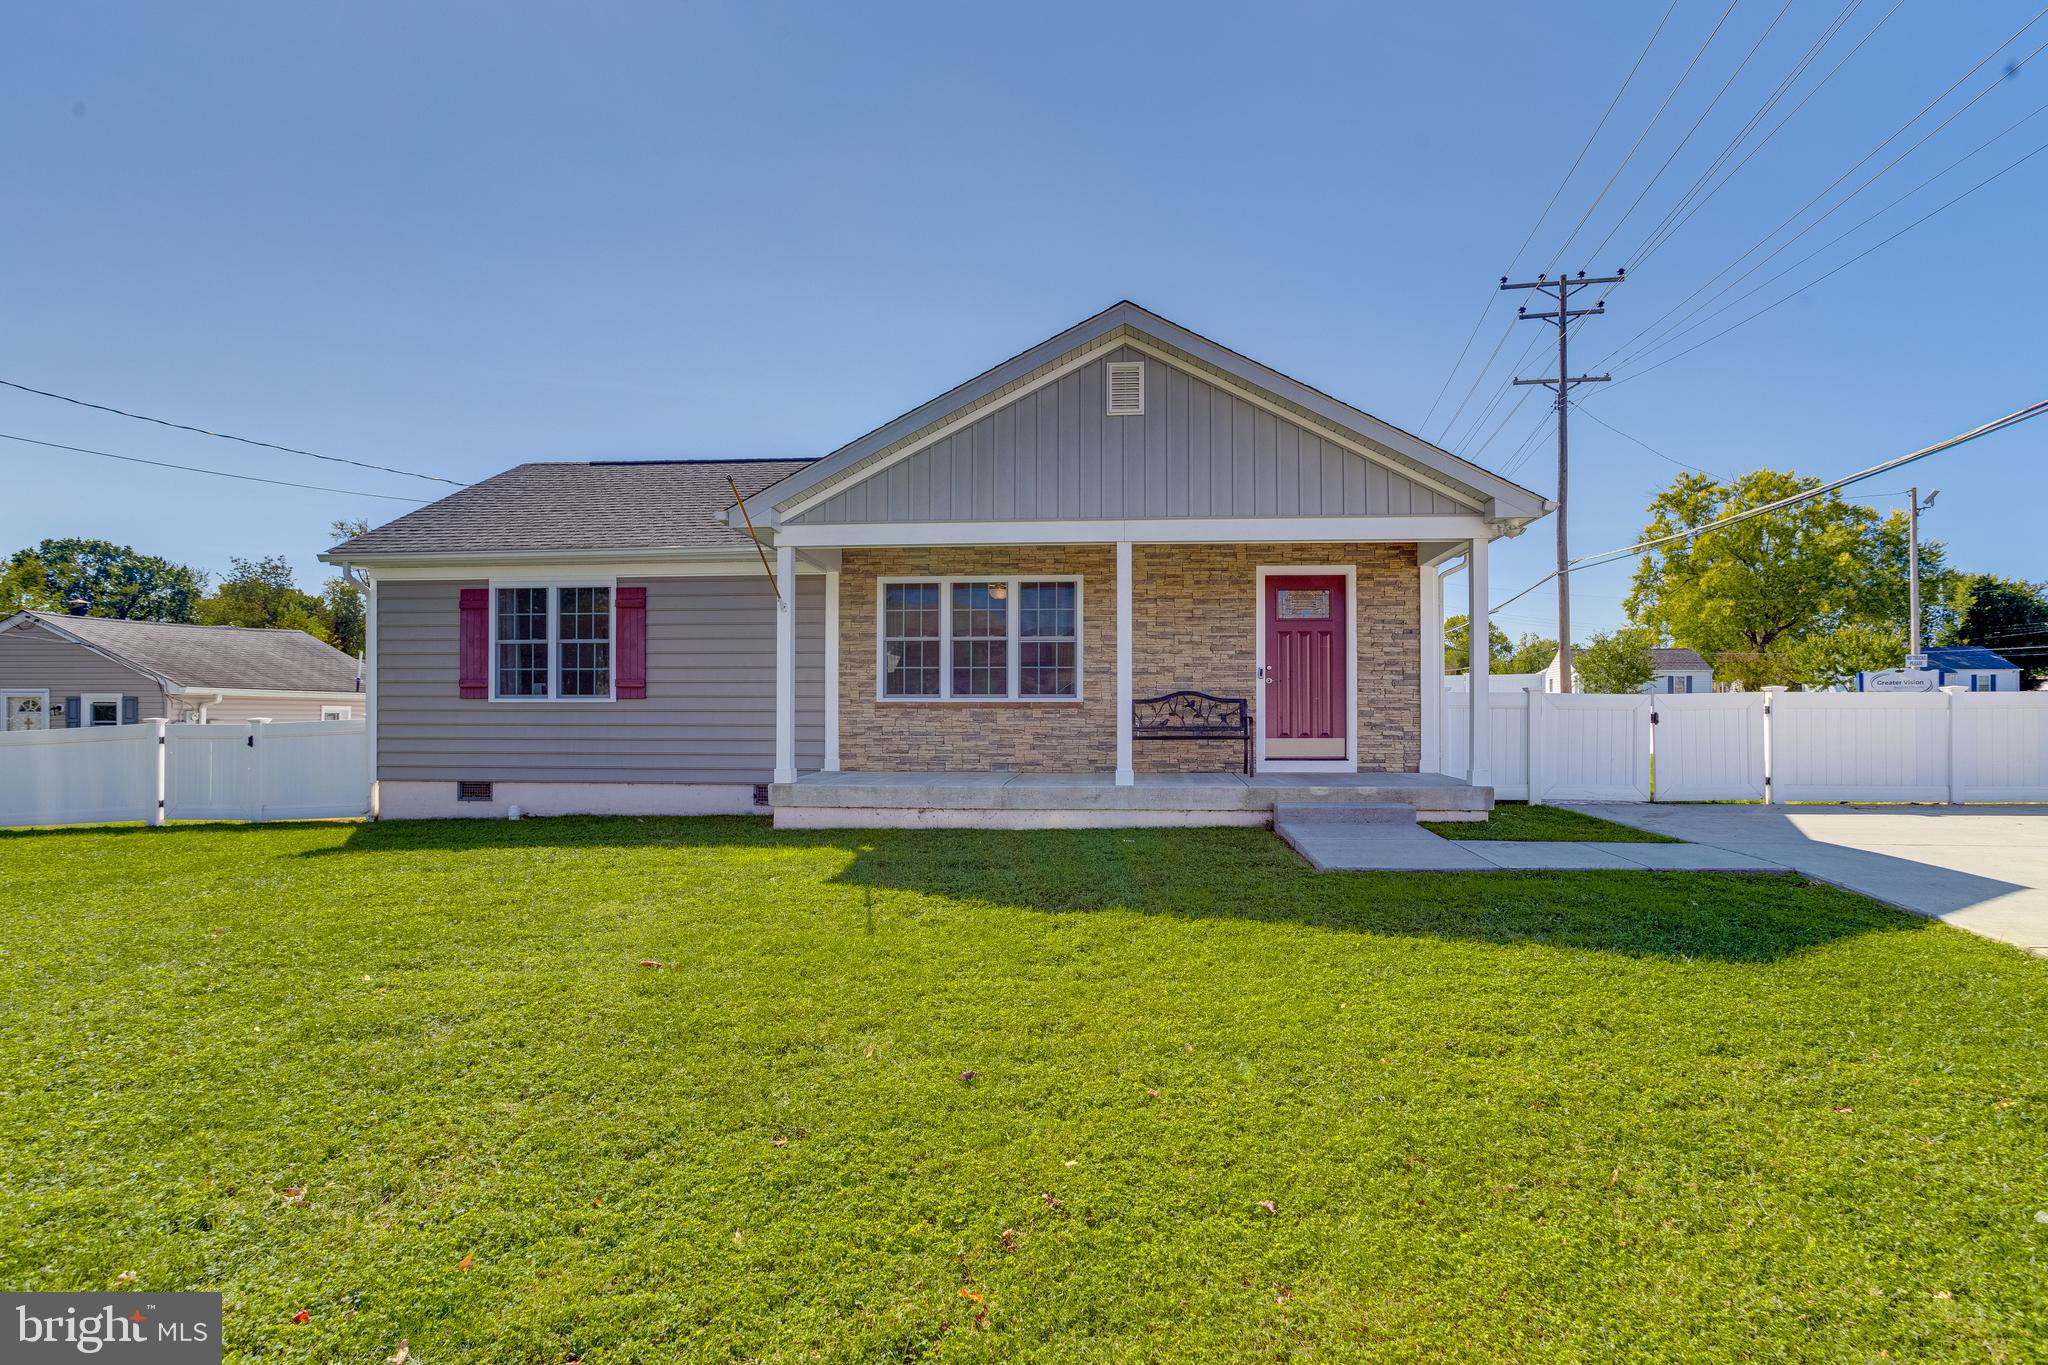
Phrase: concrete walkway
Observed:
(1981, 868)
(1396, 846)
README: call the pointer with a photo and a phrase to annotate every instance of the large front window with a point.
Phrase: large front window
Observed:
(980, 639)
(553, 643)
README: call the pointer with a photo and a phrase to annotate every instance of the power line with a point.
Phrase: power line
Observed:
(1534, 228)
(1843, 202)
(1658, 235)
(1584, 411)
(2011, 419)
(199, 469)
(1938, 209)
(224, 436)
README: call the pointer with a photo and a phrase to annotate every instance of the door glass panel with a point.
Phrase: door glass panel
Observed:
(1304, 604)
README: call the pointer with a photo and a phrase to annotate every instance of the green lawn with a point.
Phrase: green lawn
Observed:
(1519, 821)
(657, 1090)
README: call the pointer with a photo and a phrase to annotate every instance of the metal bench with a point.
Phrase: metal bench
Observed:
(1192, 716)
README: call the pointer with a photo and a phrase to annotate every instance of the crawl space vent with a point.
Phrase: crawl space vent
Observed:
(472, 791)
(760, 793)
(1127, 388)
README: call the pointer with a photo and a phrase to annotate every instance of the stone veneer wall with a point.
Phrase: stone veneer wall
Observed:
(1194, 619)
(1213, 646)
(977, 736)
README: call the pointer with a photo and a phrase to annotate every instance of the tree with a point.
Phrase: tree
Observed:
(262, 593)
(1532, 654)
(1457, 649)
(1809, 570)
(25, 586)
(2007, 615)
(115, 580)
(1615, 661)
(347, 617)
(1834, 659)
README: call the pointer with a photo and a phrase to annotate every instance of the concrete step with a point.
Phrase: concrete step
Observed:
(1343, 813)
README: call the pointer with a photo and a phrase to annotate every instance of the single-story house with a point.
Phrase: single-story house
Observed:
(61, 671)
(1971, 666)
(1677, 670)
(957, 617)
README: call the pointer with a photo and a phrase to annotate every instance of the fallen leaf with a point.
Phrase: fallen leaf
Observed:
(2005, 1104)
(465, 1263)
(294, 1195)
(1943, 1294)
(1071, 1164)
(980, 1318)
(126, 1277)
(871, 1050)
(303, 1316)
(401, 1355)
(736, 1240)
(649, 962)
(1150, 1093)
(970, 1294)
(1841, 1109)
(1284, 1295)
(968, 1076)
(1009, 1239)
(1269, 1206)
(1054, 1202)
(782, 1142)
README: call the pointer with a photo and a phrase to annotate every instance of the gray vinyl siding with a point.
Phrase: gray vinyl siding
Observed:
(32, 657)
(709, 714)
(1197, 451)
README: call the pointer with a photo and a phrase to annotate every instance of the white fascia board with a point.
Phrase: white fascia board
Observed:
(1165, 530)
(200, 690)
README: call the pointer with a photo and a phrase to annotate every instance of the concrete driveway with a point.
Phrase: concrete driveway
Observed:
(1981, 868)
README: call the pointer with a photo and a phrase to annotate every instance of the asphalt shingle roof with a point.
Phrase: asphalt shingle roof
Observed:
(595, 505)
(217, 656)
(1957, 658)
(1678, 660)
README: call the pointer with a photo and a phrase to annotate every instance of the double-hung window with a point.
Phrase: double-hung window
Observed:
(551, 643)
(980, 639)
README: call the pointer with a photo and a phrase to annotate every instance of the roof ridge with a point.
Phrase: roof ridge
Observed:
(184, 625)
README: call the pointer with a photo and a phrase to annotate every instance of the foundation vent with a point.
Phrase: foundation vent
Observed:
(761, 794)
(472, 791)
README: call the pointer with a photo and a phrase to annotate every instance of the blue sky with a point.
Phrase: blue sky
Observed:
(455, 237)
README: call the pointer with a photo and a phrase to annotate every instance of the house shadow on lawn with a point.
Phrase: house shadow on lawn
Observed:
(1211, 874)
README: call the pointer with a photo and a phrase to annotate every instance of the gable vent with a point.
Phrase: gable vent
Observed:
(1126, 388)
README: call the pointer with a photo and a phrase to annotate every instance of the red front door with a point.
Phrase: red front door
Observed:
(1307, 633)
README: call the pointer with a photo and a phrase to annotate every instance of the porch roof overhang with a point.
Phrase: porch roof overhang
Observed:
(1155, 531)
(1502, 506)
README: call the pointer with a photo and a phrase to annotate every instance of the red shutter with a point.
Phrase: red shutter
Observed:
(476, 643)
(632, 642)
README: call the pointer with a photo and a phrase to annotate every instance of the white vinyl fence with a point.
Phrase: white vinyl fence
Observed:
(303, 770)
(1950, 746)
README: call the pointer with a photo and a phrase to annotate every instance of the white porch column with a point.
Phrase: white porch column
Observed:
(369, 685)
(832, 670)
(1479, 630)
(785, 664)
(1430, 627)
(1124, 774)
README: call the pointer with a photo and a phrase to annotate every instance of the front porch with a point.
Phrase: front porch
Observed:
(1010, 800)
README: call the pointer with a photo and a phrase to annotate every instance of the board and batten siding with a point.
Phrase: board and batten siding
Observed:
(1198, 450)
(709, 715)
(33, 657)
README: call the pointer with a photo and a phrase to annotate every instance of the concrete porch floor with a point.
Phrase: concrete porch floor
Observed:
(1055, 800)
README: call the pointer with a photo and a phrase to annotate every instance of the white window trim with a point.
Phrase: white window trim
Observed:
(554, 586)
(86, 702)
(347, 713)
(945, 585)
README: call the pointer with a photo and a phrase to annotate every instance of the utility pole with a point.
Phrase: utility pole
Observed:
(1561, 289)
(1915, 657)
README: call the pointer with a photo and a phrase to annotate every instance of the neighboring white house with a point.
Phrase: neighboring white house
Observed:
(1969, 666)
(1678, 670)
(1498, 682)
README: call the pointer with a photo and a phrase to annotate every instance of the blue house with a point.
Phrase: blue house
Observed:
(1970, 666)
